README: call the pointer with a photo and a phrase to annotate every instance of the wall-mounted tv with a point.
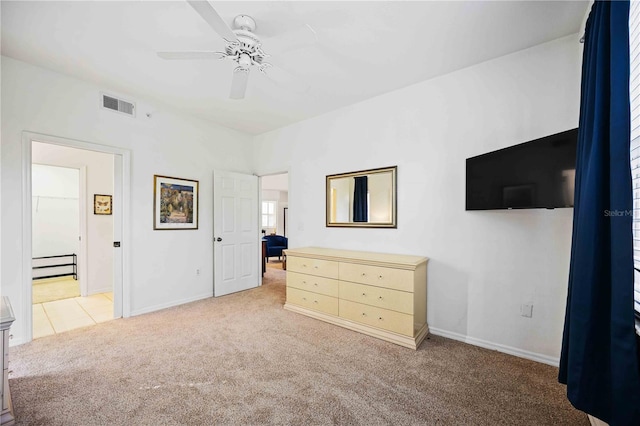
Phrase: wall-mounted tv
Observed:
(535, 174)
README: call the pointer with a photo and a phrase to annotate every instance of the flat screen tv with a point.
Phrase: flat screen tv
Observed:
(535, 174)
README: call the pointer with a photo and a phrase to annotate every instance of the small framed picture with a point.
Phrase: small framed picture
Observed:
(175, 203)
(101, 204)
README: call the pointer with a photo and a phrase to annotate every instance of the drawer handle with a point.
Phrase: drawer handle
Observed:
(363, 294)
(380, 297)
(364, 315)
(316, 284)
(316, 266)
(315, 301)
(304, 265)
(379, 277)
(304, 298)
(379, 318)
(304, 282)
(363, 274)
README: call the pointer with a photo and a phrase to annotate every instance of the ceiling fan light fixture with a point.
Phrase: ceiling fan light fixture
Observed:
(244, 60)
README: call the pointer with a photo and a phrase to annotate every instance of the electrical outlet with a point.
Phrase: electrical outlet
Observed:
(526, 311)
(197, 271)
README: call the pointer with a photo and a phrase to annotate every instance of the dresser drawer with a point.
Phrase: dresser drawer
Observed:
(377, 317)
(397, 279)
(395, 300)
(312, 283)
(317, 267)
(315, 301)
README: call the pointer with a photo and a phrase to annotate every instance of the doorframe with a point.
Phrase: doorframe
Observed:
(83, 255)
(121, 222)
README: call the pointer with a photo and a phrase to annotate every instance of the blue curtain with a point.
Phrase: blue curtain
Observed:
(599, 360)
(360, 199)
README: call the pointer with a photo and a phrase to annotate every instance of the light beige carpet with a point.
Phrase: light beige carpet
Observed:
(243, 359)
(50, 289)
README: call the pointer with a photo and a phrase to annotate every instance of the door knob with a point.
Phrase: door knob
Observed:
(218, 239)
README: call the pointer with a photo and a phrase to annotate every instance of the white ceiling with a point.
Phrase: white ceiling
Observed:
(363, 48)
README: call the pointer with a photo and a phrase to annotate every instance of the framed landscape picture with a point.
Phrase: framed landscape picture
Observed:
(101, 204)
(175, 203)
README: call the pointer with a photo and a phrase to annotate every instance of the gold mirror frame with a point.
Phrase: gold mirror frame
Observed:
(386, 201)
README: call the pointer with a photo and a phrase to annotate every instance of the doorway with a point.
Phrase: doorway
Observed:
(99, 264)
(274, 193)
(72, 254)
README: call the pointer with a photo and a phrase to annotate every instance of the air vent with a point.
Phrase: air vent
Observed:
(118, 105)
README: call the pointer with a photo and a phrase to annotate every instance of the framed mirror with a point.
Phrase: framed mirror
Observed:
(363, 199)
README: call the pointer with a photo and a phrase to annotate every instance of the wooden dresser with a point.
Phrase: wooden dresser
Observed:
(382, 295)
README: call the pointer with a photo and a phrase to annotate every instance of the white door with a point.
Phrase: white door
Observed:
(235, 227)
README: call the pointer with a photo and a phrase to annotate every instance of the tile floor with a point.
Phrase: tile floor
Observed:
(66, 314)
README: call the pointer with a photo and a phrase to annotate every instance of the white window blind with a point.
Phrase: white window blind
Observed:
(634, 90)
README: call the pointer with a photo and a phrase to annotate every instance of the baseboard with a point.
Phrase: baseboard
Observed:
(17, 342)
(171, 304)
(100, 290)
(545, 359)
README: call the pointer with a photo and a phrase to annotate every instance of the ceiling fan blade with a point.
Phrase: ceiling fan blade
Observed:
(212, 18)
(239, 83)
(301, 36)
(190, 55)
(286, 80)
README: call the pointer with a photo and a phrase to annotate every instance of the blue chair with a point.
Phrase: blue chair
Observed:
(275, 245)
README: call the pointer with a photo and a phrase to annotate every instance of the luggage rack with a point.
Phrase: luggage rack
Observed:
(64, 258)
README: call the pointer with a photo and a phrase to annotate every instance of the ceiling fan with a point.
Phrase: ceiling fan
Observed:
(244, 48)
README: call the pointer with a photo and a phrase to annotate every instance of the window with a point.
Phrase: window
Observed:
(634, 89)
(268, 214)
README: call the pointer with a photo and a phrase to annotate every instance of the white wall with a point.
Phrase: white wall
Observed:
(483, 265)
(55, 210)
(163, 263)
(99, 228)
